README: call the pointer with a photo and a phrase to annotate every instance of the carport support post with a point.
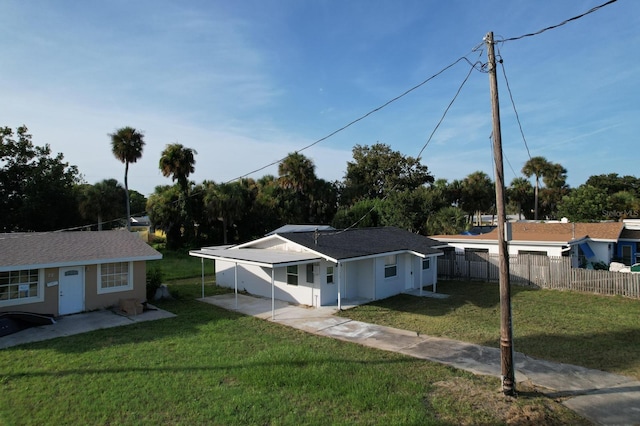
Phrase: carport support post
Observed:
(202, 267)
(506, 332)
(235, 285)
(273, 293)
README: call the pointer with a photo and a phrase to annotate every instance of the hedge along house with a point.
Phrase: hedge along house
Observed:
(61, 273)
(328, 268)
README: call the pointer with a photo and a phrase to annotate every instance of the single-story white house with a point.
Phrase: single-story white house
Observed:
(586, 243)
(61, 273)
(328, 267)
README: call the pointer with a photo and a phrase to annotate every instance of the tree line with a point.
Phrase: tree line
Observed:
(381, 187)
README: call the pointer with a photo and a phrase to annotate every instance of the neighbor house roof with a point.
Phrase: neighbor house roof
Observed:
(548, 232)
(57, 249)
(630, 234)
(362, 242)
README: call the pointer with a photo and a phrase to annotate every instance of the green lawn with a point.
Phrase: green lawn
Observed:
(211, 366)
(600, 332)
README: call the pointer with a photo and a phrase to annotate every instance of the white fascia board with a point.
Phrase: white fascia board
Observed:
(249, 244)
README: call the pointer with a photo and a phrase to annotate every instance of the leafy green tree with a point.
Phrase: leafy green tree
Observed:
(165, 213)
(102, 202)
(127, 144)
(37, 190)
(378, 170)
(225, 201)
(612, 183)
(363, 214)
(446, 221)
(584, 204)
(138, 202)
(179, 162)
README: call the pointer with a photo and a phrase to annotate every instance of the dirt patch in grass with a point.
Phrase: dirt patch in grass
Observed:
(490, 405)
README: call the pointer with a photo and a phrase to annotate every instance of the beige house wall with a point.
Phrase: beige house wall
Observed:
(92, 300)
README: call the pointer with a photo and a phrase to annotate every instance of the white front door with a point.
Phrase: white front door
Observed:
(71, 290)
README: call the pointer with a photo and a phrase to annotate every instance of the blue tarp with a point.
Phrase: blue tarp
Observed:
(588, 253)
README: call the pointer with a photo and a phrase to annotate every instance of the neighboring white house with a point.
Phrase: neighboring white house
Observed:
(586, 243)
(329, 267)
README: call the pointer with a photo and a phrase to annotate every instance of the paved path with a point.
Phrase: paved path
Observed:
(603, 398)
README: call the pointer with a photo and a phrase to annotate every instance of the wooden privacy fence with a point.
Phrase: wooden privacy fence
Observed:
(538, 271)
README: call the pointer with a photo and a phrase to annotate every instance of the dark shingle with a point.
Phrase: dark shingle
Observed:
(361, 242)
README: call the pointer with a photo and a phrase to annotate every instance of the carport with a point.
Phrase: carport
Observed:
(270, 259)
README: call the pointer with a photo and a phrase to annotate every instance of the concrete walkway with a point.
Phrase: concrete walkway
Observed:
(79, 323)
(603, 398)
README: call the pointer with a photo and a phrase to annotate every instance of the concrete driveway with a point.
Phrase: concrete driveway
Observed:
(603, 398)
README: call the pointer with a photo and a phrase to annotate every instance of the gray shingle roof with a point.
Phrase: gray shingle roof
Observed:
(49, 249)
(360, 242)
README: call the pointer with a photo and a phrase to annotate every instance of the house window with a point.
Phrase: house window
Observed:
(18, 287)
(390, 266)
(114, 277)
(329, 274)
(310, 273)
(292, 275)
(426, 263)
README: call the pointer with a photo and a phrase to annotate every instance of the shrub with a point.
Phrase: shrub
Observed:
(154, 281)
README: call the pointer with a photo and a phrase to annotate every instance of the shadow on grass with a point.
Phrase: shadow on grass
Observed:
(244, 365)
(617, 352)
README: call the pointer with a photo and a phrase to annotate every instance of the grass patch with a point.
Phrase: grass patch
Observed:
(600, 332)
(178, 264)
(212, 366)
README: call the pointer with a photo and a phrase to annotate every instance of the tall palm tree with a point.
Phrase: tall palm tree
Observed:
(519, 193)
(536, 166)
(127, 144)
(179, 162)
(296, 172)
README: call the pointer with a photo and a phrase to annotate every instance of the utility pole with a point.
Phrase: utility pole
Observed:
(506, 335)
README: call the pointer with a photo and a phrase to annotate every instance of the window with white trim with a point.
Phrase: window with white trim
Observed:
(114, 277)
(390, 266)
(292, 275)
(329, 274)
(22, 286)
(426, 263)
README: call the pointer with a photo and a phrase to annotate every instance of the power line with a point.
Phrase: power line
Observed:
(362, 117)
(473, 66)
(566, 21)
(515, 110)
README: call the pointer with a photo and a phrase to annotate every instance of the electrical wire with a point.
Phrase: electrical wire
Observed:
(513, 104)
(473, 66)
(566, 21)
(362, 117)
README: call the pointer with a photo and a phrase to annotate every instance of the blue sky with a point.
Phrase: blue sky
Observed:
(246, 82)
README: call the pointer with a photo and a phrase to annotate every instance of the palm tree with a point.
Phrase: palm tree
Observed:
(537, 166)
(126, 145)
(226, 201)
(519, 193)
(179, 162)
(296, 172)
